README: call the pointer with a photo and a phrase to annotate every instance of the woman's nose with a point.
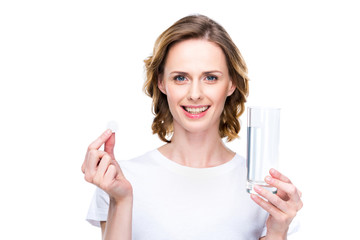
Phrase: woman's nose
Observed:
(195, 91)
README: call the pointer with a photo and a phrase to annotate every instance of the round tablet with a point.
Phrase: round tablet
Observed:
(113, 126)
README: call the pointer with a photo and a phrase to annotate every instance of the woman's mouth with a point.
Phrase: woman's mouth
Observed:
(195, 112)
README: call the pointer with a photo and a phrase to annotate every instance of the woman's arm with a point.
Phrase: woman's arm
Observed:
(119, 222)
(103, 226)
(101, 169)
(273, 238)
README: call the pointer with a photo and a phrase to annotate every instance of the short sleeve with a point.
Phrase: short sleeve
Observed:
(99, 206)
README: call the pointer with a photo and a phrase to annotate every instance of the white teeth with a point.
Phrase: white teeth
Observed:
(196, 110)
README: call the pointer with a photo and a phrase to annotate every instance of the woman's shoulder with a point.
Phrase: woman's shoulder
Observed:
(239, 158)
(142, 167)
(145, 159)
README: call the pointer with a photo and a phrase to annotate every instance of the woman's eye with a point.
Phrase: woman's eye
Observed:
(211, 78)
(180, 78)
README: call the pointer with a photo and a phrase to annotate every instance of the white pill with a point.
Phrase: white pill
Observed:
(113, 126)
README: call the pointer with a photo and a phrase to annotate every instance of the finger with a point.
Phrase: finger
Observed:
(272, 198)
(278, 175)
(83, 166)
(118, 168)
(100, 140)
(91, 163)
(288, 188)
(110, 174)
(271, 209)
(101, 169)
(109, 145)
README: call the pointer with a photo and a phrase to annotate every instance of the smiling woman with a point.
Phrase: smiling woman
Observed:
(200, 28)
(195, 61)
(193, 187)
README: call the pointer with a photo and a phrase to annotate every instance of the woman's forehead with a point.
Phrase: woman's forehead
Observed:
(195, 55)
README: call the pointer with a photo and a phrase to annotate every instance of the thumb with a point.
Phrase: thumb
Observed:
(109, 145)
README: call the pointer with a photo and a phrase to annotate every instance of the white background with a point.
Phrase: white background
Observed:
(68, 67)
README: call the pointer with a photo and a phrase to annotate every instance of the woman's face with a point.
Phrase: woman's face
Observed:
(196, 82)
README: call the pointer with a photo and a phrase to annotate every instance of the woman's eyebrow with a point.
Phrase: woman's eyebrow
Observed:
(204, 73)
(179, 72)
(214, 71)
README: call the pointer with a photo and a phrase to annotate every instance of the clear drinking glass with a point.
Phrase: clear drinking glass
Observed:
(263, 130)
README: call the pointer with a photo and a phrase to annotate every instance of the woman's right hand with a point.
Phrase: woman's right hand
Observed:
(101, 169)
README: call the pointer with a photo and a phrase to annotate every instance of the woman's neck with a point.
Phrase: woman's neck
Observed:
(198, 150)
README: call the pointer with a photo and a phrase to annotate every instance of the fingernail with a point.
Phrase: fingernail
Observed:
(272, 171)
(268, 179)
(108, 132)
(257, 188)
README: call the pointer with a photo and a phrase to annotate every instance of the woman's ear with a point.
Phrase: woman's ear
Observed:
(231, 89)
(161, 84)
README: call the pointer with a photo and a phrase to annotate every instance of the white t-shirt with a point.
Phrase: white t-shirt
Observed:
(175, 202)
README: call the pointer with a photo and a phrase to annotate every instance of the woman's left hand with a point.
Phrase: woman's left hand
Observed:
(282, 206)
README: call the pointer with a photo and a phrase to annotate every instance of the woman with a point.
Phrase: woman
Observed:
(193, 187)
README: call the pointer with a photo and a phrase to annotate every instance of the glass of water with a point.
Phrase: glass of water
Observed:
(263, 130)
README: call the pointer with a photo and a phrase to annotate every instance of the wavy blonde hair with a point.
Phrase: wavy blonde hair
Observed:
(196, 27)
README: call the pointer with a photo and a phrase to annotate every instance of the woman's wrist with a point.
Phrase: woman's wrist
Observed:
(127, 201)
(276, 236)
